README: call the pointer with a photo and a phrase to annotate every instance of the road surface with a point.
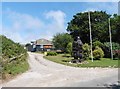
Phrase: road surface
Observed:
(44, 73)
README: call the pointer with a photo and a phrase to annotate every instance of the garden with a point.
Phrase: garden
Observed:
(101, 46)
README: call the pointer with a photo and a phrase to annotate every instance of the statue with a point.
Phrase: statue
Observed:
(77, 49)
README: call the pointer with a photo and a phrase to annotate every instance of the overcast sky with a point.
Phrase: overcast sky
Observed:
(24, 22)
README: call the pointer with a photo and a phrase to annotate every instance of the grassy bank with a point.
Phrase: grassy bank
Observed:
(13, 58)
(103, 62)
(15, 67)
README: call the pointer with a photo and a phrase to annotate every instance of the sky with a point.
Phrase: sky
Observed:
(28, 21)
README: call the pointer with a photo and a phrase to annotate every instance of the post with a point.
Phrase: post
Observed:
(90, 35)
(110, 40)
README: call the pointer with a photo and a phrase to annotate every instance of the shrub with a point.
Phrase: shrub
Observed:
(69, 48)
(116, 54)
(86, 51)
(51, 53)
(97, 43)
(98, 53)
(106, 48)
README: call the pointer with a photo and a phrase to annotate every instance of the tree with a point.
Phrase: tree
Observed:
(99, 24)
(61, 40)
(69, 48)
(115, 26)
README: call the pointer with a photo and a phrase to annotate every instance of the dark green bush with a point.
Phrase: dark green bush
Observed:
(116, 54)
(106, 48)
(98, 53)
(51, 54)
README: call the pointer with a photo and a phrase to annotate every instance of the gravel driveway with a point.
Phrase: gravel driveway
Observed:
(44, 73)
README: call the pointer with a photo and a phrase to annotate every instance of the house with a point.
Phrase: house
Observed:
(41, 45)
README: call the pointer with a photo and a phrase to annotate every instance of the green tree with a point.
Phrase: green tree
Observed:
(115, 26)
(99, 23)
(61, 40)
(69, 48)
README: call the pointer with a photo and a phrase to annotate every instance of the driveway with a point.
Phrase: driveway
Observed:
(44, 73)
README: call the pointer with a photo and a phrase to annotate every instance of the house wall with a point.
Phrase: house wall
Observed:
(44, 47)
(47, 46)
(39, 48)
(30, 48)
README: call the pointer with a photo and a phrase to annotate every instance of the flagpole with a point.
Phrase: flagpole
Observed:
(90, 35)
(110, 40)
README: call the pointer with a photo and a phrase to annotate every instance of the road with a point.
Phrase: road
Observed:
(44, 73)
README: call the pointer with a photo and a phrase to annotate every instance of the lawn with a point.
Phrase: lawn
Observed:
(103, 62)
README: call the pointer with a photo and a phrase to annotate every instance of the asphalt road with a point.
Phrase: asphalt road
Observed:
(44, 73)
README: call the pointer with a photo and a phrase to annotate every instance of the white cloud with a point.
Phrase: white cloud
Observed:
(24, 20)
(58, 20)
(24, 28)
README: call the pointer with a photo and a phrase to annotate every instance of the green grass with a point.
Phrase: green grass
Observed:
(103, 62)
(15, 67)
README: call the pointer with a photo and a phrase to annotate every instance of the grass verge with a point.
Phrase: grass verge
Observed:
(15, 67)
(103, 62)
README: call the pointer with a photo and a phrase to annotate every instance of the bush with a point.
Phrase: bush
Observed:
(97, 43)
(86, 51)
(51, 54)
(69, 48)
(116, 54)
(98, 53)
(106, 48)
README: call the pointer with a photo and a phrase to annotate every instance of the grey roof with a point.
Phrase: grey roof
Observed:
(43, 42)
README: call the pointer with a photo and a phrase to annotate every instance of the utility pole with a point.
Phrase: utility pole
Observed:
(110, 39)
(90, 35)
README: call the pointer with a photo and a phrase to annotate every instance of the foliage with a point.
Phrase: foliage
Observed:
(97, 43)
(115, 26)
(106, 48)
(51, 53)
(98, 53)
(15, 67)
(61, 40)
(116, 54)
(11, 49)
(69, 48)
(86, 51)
(99, 24)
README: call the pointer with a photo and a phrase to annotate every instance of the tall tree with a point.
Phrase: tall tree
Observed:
(115, 26)
(99, 24)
